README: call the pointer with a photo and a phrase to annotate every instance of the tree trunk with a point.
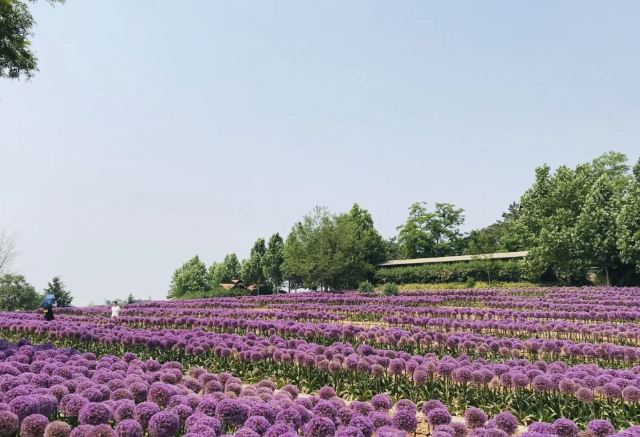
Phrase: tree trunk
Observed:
(606, 272)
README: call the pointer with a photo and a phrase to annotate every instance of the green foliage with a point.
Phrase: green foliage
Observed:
(501, 236)
(191, 277)
(562, 215)
(508, 270)
(229, 269)
(16, 23)
(390, 289)
(16, 294)
(471, 282)
(57, 288)
(329, 251)
(628, 222)
(365, 287)
(273, 260)
(431, 234)
(251, 271)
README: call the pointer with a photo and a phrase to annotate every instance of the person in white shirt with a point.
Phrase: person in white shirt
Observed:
(115, 310)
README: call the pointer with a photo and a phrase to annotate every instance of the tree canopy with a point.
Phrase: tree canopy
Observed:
(190, 278)
(58, 289)
(16, 294)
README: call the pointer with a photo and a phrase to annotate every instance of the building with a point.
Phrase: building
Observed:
(453, 259)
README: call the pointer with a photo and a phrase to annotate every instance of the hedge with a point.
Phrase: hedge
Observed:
(481, 270)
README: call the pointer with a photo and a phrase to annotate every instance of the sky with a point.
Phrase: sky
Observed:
(157, 130)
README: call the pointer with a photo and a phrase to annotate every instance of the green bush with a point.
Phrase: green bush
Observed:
(471, 282)
(390, 289)
(480, 270)
(365, 287)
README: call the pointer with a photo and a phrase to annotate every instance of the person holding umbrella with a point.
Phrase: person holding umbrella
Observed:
(47, 305)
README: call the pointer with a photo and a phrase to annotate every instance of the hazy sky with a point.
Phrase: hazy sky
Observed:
(156, 130)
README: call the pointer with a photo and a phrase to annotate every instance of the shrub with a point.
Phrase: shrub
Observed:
(390, 289)
(471, 282)
(365, 287)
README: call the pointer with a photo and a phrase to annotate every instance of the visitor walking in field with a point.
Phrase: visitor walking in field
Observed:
(115, 310)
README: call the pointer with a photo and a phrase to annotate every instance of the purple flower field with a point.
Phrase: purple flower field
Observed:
(562, 361)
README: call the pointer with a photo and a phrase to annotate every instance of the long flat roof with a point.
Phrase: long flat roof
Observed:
(447, 259)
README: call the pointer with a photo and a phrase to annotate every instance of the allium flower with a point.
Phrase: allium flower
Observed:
(438, 416)
(542, 383)
(23, 406)
(475, 417)
(246, 432)
(291, 416)
(320, 427)
(541, 428)
(125, 409)
(631, 394)
(94, 413)
(263, 410)
(396, 366)
(33, 425)
(420, 376)
(9, 423)
(102, 430)
(207, 406)
(565, 428)
(388, 431)
(292, 390)
(57, 428)
(164, 424)
(495, 432)
(144, 412)
(382, 402)
(232, 412)
(431, 405)
(600, 428)
(584, 394)
(364, 424)
(507, 422)
(459, 429)
(277, 430)
(325, 409)
(362, 408)
(72, 404)
(405, 421)
(612, 391)
(82, 431)
(199, 420)
(257, 423)
(349, 431)
(326, 393)
(380, 419)
(532, 434)
(129, 428)
(406, 404)
(160, 393)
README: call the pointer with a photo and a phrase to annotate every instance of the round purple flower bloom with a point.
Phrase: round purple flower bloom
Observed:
(495, 432)
(459, 429)
(612, 391)
(278, 430)
(406, 404)
(532, 434)
(33, 425)
(129, 428)
(23, 406)
(325, 409)
(9, 423)
(405, 421)
(438, 416)
(257, 423)
(388, 431)
(232, 412)
(631, 394)
(94, 413)
(164, 424)
(475, 417)
(292, 390)
(507, 422)
(584, 394)
(57, 428)
(349, 431)
(396, 366)
(542, 383)
(431, 405)
(445, 429)
(102, 430)
(82, 431)
(265, 411)
(380, 419)
(246, 432)
(320, 427)
(565, 428)
(144, 412)
(364, 424)
(326, 393)
(600, 428)
(382, 402)
(541, 428)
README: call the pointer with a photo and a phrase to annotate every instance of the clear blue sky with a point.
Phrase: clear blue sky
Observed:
(156, 130)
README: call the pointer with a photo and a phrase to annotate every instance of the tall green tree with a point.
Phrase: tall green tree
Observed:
(190, 278)
(252, 268)
(16, 294)
(596, 228)
(229, 268)
(628, 222)
(58, 289)
(16, 23)
(431, 233)
(273, 260)
(500, 236)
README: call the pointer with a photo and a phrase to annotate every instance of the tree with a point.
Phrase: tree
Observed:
(272, 261)
(431, 234)
(16, 294)
(252, 267)
(190, 278)
(7, 250)
(131, 299)
(57, 288)
(229, 269)
(596, 228)
(628, 222)
(500, 236)
(16, 23)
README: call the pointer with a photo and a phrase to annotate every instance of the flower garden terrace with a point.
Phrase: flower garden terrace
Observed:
(414, 341)
(535, 390)
(61, 392)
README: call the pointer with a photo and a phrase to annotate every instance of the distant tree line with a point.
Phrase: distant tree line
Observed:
(571, 220)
